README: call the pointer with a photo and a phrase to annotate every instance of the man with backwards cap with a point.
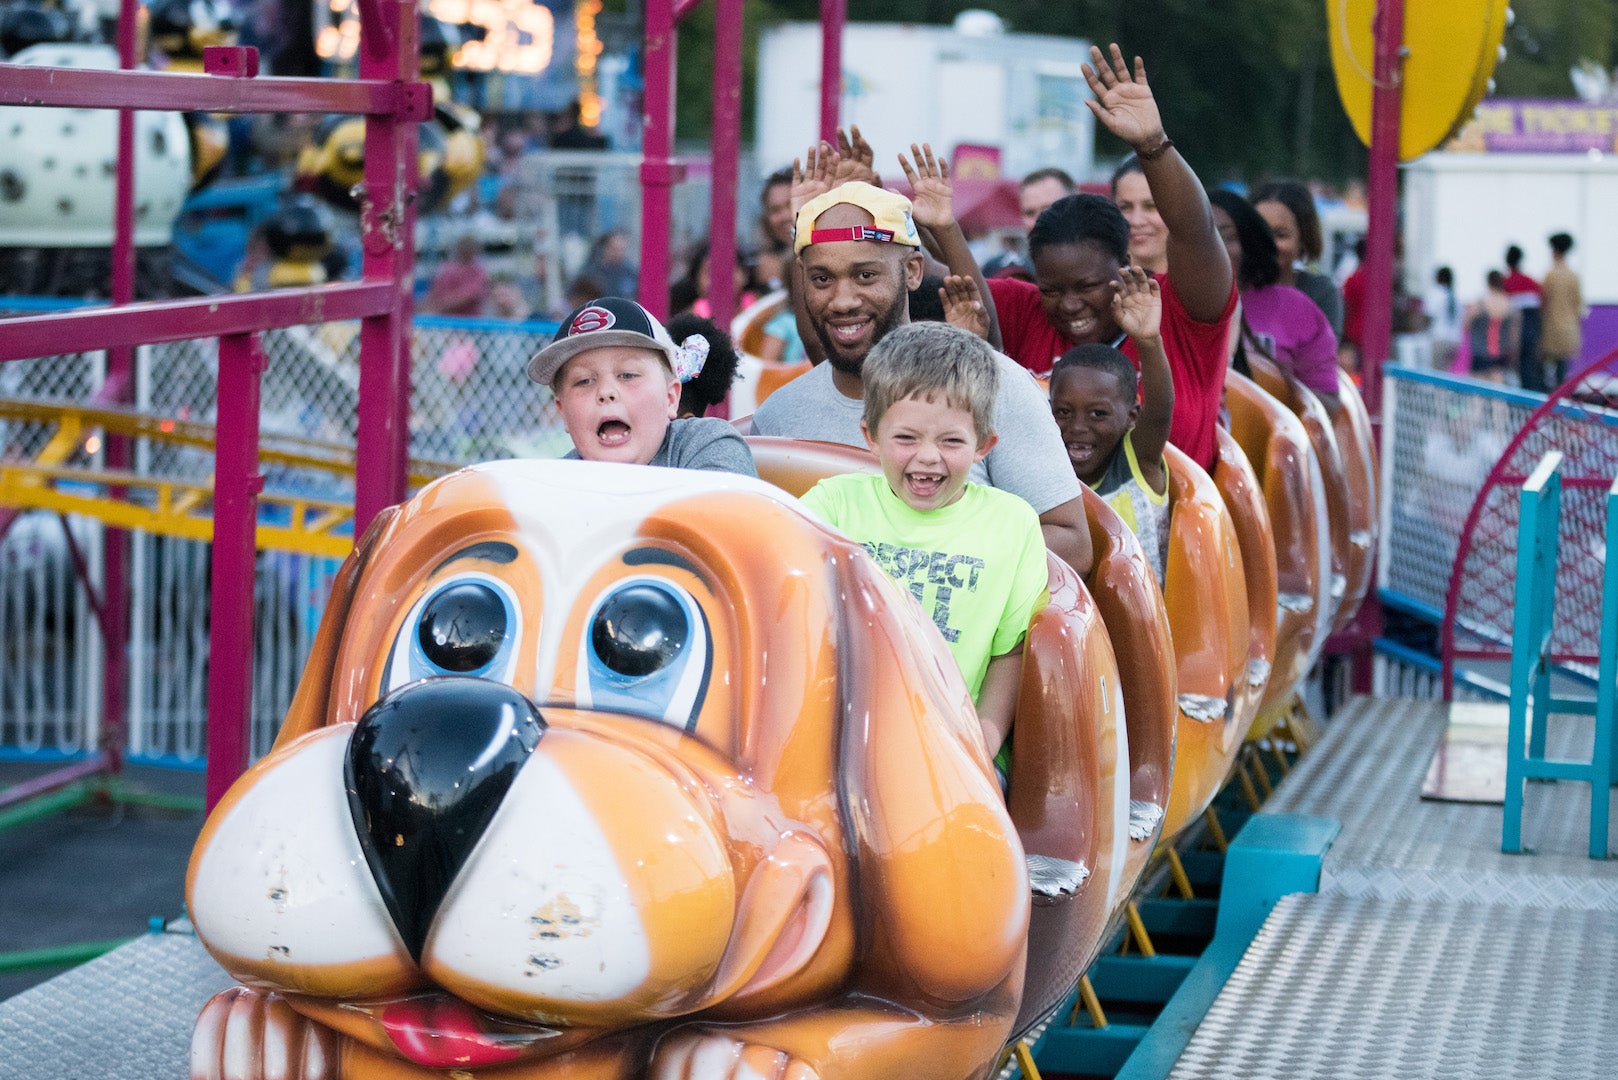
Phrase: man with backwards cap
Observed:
(860, 257)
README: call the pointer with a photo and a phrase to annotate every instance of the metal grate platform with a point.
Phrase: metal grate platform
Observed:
(1367, 773)
(1364, 988)
(124, 1016)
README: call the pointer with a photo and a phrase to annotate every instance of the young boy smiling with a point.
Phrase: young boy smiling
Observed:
(972, 555)
(616, 375)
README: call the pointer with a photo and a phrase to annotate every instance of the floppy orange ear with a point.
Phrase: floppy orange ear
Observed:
(311, 704)
(922, 804)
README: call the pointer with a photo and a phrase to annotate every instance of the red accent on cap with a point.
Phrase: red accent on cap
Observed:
(591, 319)
(853, 232)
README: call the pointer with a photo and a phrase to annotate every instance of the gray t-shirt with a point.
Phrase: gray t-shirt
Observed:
(1029, 460)
(701, 442)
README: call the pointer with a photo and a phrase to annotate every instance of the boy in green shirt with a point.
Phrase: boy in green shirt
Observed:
(973, 556)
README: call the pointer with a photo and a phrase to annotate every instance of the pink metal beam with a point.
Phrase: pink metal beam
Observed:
(726, 142)
(87, 329)
(237, 482)
(390, 49)
(833, 14)
(1382, 200)
(86, 89)
(658, 170)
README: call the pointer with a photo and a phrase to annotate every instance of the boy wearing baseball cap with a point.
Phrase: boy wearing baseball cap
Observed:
(616, 374)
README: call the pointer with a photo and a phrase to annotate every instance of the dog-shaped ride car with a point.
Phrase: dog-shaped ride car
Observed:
(605, 772)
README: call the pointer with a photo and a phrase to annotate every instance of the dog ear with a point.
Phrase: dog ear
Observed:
(311, 704)
(941, 870)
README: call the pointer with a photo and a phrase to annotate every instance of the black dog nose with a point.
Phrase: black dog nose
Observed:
(427, 768)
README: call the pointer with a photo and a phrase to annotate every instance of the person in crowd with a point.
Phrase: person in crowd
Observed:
(1278, 322)
(931, 393)
(1114, 441)
(1562, 313)
(775, 229)
(569, 133)
(1352, 338)
(1443, 311)
(1289, 209)
(711, 385)
(461, 283)
(1493, 332)
(859, 255)
(1081, 243)
(1524, 293)
(783, 342)
(616, 374)
(1039, 189)
(609, 265)
(690, 293)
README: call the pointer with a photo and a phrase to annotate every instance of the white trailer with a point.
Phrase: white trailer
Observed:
(1020, 93)
(1462, 210)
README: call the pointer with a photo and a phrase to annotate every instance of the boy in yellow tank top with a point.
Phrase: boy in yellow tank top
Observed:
(1094, 401)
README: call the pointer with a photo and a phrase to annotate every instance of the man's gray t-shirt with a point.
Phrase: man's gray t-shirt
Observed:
(1029, 460)
(701, 442)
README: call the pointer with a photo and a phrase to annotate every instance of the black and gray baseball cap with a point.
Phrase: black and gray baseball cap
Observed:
(610, 320)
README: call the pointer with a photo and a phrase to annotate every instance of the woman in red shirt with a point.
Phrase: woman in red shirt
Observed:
(1079, 244)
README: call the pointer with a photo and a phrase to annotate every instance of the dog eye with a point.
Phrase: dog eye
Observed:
(646, 652)
(467, 626)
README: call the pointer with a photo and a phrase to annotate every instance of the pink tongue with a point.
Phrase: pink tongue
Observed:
(444, 1032)
(613, 429)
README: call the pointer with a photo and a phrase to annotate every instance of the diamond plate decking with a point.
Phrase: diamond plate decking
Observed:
(1427, 952)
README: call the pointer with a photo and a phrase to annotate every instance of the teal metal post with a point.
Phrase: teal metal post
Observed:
(1539, 509)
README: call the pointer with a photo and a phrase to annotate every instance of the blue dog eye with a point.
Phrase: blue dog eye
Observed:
(463, 627)
(647, 652)
(468, 625)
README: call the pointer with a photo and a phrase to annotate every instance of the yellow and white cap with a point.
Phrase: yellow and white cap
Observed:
(890, 213)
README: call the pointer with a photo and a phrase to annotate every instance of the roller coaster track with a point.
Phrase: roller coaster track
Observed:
(174, 506)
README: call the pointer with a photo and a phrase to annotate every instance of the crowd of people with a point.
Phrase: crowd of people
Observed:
(1519, 330)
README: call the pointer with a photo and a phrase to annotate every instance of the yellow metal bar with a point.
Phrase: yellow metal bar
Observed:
(1092, 1003)
(1182, 880)
(1216, 830)
(1260, 771)
(1279, 753)
(1137, 930)
(1025, 1060)
(1249, 792)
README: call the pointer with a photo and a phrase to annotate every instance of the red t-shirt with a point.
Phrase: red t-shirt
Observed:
(1198, 354)
(1354, 307)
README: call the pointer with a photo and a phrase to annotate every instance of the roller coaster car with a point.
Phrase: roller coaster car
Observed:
(1074, 770)
(1238, 486)
(1317, 421)
(757, 378)
(1352, 423)
(670, 783)
(1205, 591)
(1294, 494)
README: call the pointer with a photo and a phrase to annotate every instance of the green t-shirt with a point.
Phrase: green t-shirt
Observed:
(977, 566)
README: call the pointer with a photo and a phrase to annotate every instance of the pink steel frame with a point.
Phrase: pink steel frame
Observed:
(660, 171)
(393, 100)
(1509, 473)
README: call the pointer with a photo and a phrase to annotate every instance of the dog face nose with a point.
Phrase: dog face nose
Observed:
(427, 768)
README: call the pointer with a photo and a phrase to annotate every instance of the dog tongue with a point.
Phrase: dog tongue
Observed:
(444, 1032)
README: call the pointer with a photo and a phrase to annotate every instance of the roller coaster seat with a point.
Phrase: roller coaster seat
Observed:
(1238, 485)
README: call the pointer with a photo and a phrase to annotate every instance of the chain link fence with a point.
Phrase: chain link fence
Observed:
(471, 400)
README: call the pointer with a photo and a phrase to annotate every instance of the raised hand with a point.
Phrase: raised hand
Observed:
(812, 175)
(1137, 305)
(1123, 101)
(855, 158)
(932, 199)
(963, 306)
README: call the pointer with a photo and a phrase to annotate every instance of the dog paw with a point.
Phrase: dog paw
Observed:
(243, 1034)
(701, 1055)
